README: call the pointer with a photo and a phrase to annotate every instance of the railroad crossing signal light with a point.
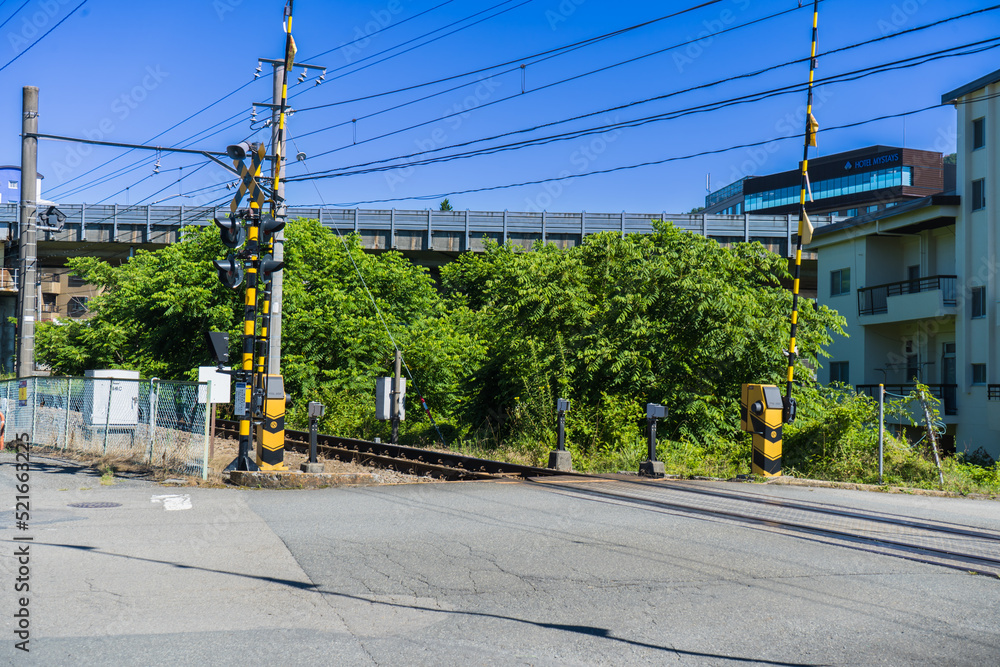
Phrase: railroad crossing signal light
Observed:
(231, 231)
(230, 272)
(269, 226)
(268, 267)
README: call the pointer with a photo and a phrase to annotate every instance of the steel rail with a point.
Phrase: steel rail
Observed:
(441, 464)
(968, 562)
(880, 517)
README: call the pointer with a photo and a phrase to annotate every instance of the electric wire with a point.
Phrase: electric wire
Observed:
(149, 196)
(550, 53)
(431, 41)
(147, 160)
(16, 11)
(670, 115)
(602, 69)
(175, 125)
(635, 166)
(547, 56)
(381, 30)
(47, 33)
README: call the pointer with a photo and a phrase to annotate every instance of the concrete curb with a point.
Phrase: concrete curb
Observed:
(300, 480)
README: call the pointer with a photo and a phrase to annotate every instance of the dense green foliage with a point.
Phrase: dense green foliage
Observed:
(668, 317)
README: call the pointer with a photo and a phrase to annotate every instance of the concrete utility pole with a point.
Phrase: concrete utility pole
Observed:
(278, 242)
(27, 245)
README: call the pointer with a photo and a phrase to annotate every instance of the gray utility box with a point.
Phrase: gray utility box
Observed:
(111, 398)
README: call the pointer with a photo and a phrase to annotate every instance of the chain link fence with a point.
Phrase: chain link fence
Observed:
(163, 424)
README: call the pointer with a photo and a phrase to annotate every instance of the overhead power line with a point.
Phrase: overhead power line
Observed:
(670, 115)
(47, 33)
(529, 60)
(154, 138)
(430, 41)
(534, 58)
(620, 107)
(640, 165)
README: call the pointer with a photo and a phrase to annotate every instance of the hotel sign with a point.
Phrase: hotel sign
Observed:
(876, 162)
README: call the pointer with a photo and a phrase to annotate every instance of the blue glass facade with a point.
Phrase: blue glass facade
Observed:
(834, 187)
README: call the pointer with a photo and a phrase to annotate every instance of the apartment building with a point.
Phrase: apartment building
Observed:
(917, 284)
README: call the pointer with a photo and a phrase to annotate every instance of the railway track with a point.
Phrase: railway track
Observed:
(443, 465)
(957, 546)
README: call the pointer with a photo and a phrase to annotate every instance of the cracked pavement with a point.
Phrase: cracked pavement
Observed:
(478, 573)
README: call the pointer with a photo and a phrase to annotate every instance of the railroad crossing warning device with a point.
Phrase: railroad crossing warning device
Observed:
(271, 432)
(761, 413)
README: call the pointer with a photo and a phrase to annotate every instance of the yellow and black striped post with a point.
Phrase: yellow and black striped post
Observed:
(804, 226)
(244, 462)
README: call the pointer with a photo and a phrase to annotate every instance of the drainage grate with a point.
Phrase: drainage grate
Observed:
(92, 506)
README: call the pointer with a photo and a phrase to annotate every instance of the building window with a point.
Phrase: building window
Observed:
(851, 212)
(978, 373)
(978, 133)
(76, 281)
(833, 187)
(12, 185)
(979, 194)
(873, 208)
(48, 303)
(840, 282)
(77, 306)
(978, 302)
(840, 372)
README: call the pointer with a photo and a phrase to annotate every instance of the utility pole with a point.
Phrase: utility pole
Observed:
(396, 391)
(26, 236)
(279, 102)
(280, 213)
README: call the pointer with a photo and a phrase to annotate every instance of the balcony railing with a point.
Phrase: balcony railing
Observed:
(875, 300)
(948, 393)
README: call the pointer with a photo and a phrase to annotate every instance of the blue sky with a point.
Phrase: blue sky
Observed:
(127, 71)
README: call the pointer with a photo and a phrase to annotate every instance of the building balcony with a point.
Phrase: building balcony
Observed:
(917, 299)
(946, 393)
(8, 280)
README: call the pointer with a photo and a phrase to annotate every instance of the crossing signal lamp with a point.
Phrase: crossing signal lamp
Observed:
(230, 272)
(231, 231)
(269, 226)
(268, 267)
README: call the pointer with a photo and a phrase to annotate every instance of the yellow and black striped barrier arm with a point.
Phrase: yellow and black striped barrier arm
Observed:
(804, 225)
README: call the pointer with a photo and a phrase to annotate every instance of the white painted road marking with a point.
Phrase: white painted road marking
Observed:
(173, 502)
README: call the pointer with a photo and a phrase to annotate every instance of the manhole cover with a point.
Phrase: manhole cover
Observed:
(91, 506)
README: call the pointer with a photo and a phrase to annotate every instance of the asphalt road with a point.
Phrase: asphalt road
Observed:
(475, 573)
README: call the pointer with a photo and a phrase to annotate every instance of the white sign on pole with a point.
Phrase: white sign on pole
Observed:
(383, 399)
(220, 384)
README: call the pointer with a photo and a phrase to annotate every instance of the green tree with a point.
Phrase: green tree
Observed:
(151, 315)
(670, 317)
(445, 205)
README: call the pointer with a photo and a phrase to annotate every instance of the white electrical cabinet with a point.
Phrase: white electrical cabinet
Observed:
(112, 398)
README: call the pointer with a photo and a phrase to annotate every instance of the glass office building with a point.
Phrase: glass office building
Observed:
(845, 184)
